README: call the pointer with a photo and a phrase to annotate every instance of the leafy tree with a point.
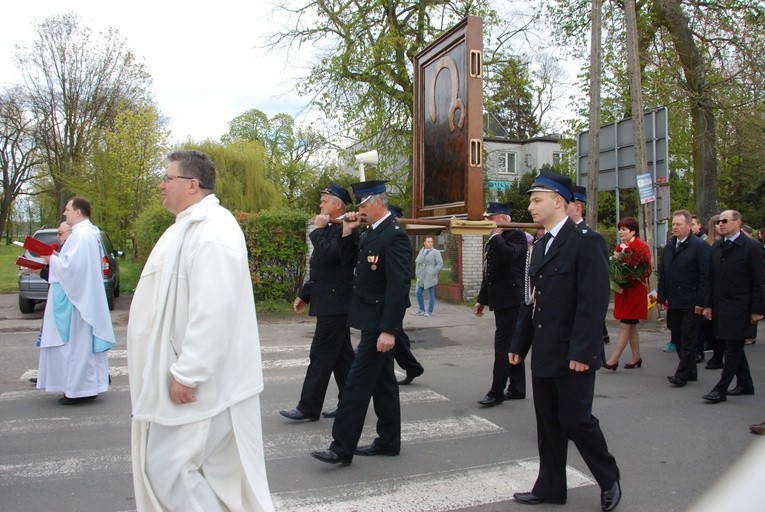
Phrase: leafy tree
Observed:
(241, 181)
(362, 78)
(122, 175)
(77, 82)
(718, 46)
(511, 97)
(290, 150)
(19, 159)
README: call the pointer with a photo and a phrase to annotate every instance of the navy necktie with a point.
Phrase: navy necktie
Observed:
(726, 243)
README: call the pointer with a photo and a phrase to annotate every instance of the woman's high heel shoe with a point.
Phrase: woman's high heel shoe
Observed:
(611, 367)
(636, 364)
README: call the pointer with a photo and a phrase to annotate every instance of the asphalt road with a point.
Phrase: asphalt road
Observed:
(670, 445)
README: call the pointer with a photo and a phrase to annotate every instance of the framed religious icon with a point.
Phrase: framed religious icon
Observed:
(448, 125)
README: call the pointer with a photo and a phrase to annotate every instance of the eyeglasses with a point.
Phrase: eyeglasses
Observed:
(168, 178)
(721, 221)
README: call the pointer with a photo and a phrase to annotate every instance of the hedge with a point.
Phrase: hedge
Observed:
(275, 243)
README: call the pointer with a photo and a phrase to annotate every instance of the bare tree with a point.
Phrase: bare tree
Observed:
(77, 82)
(19, 158)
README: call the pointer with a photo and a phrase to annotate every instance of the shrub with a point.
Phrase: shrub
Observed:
(277, 247)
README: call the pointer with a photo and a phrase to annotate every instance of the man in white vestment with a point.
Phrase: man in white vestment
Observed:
(194, 358)
(77, 328)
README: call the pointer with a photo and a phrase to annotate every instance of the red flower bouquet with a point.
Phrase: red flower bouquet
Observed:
(626, 268)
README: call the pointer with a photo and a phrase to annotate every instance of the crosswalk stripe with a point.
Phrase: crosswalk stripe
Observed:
(287, 445)
(429, 492)
(47, 425)
(99, 461)
(285, 363)
(410, 396)
(39, 394)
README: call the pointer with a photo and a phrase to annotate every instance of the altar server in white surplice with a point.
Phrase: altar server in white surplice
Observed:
(194, 358)
(77, 329)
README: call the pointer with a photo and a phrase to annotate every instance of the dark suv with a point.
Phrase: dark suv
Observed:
(33, 289)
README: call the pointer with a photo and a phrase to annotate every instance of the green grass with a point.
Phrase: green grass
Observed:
(129, 274)
(9, 272)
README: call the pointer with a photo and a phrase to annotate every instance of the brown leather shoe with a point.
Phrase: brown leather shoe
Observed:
(758, 428)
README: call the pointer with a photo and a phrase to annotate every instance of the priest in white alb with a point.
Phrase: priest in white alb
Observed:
(194, 358)
(77, 328)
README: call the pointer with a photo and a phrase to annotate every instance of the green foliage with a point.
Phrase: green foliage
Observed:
(149, 226)
(122, 176)
(277, 248)
(241, 182)
(510, 96)
(290, 150)
(518, 198)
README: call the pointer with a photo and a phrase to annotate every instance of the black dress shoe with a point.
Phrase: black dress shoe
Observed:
(373, 449)
(297, 415)
(330, 414)
(528, 498)
(678, 383)
(714, 397)
(700, 358)
(65, 400)
(610, 498)
(713, 365)
(410, 376)
(490, 401)
(509, 395)
(330, 457)
(740, 390)
(33, 380)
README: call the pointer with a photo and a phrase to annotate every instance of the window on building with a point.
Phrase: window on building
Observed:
(557, 159)
(507, 163)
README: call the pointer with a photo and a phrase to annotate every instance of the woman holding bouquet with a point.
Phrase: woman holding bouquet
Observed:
(630, 268)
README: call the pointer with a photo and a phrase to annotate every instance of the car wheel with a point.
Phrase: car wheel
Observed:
(110, 300)
(26, 305)
(117, 289)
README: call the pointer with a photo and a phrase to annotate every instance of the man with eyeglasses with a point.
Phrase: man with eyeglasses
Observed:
(736, 301)
(194, 357)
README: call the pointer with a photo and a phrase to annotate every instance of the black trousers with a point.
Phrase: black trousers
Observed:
(735, 364)
(686, 325)
(331, 352)
(404, 356)
(504, 321)
(563, 407)
(371, 377)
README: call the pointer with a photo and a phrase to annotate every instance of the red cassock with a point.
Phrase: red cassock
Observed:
(632, 303)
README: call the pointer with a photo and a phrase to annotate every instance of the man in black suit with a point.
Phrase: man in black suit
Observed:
(735, 302)
(379, 300)
(575, 212)
(328, 292)
(682, 284)
(563, 325)
(502, 290)
(403, 352)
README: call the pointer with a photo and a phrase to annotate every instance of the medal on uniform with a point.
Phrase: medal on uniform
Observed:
(373, 260)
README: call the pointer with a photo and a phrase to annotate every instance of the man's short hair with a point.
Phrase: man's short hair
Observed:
(82, 204)
(684, 213)
(196, 164)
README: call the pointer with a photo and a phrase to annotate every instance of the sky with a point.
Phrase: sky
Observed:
(203, 57)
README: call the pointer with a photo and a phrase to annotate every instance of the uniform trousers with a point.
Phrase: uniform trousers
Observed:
(504, 322)
(734, 364)
(404, 356)
(210, 465)
(563, 407)
(331, 352)
(371, 377)
(686, 325)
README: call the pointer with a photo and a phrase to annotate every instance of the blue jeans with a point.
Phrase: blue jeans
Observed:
(431, 299)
